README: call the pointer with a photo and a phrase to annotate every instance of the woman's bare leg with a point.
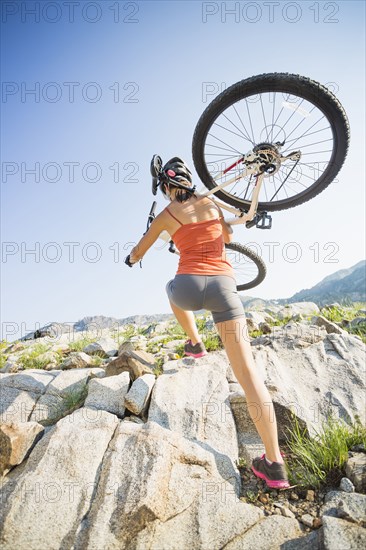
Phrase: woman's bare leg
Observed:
(234, 335)
(187, 322)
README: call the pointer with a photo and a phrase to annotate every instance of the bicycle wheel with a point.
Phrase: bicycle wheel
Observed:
(272, 111)
(250, 269)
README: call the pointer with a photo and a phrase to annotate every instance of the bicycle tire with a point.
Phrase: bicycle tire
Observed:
(256, 262)
(313, 92)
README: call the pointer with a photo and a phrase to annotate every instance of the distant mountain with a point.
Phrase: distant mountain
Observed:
(343, 286)
(101, 322)
(96, 321)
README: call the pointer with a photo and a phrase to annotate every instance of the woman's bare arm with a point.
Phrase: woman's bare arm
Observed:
(158, 225)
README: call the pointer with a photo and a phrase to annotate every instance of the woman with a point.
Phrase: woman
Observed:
(205, 279)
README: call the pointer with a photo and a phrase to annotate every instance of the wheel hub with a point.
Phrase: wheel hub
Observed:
(268, 157)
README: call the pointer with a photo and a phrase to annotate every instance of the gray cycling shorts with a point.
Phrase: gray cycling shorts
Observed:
(216, 293)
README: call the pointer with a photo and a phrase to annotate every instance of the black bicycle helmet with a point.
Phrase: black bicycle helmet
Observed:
(175, 172)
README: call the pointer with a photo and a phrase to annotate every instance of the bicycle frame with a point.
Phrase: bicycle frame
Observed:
(240, 216)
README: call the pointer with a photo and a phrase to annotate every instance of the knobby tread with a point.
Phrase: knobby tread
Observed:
(261, 266)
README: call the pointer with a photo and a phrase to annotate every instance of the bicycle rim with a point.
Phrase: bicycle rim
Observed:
(273, 108)
(249, 268)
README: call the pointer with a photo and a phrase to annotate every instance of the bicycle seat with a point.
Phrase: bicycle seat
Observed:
(155, 169)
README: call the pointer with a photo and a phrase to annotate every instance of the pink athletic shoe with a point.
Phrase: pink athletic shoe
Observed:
(197, 350)
(274, 474)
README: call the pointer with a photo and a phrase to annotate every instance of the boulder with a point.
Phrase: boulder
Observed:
(32, 380)
(356, 471)
(162, 327)
(57, 483)
(357, 321)
(256, 317)
(136, 362)
(104, 347)
(334, 305)
(76, 360)
(194, 402)
(298, 308)
(252, 326)
(340, 534)
(330, 327)
(311, 372)
(16, 441)
(20, 393)
(63, 394)
(265, 328)
(137, 397)
(172, 344)
(346, 485)
(108, 394)
(270, 533)
(142, 482)
(350, 506)
(52, 330)
(16, 405)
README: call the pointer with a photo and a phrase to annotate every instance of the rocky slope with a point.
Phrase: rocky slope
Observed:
(115, 441)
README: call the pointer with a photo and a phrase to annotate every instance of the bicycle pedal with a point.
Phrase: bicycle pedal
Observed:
(264, 221)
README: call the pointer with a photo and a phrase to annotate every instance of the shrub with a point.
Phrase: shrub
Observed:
(79, 345)
(212, 342)
(321, 459)
(75, 398)
(158, 369)
(30, 360)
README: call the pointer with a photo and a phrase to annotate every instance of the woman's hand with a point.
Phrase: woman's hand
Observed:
(157, 226)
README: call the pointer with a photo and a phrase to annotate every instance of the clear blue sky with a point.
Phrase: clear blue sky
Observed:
(158, 56)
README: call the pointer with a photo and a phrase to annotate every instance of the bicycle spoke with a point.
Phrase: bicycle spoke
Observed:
(296, 127)
(250, 120)
(246, 135)
(317, 152)
(316, 143)
(225, 158)
(299, 182)
(288, 120)
(232, 148)
(264, 118)
(217, 147)
(306, 134)
(273, 110)
(231, 131)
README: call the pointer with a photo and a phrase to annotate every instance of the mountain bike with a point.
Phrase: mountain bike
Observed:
(267, 143)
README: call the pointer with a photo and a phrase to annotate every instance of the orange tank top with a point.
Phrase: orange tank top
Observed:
(202, 249)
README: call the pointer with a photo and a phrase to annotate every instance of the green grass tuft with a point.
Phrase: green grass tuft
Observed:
(320, 460)
(79, 345)
(30, 359)
(75, 398)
